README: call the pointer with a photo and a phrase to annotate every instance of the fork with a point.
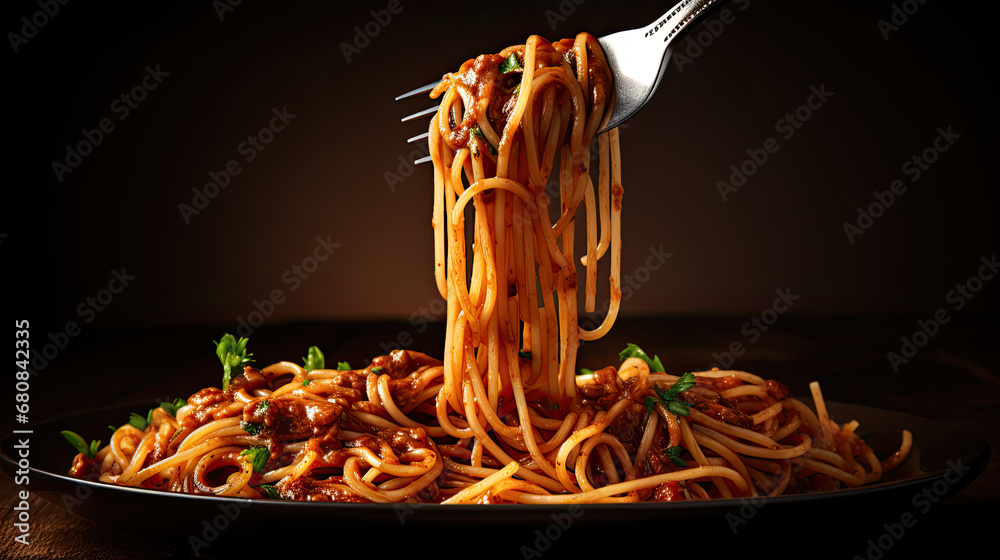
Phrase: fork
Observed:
(637, 59)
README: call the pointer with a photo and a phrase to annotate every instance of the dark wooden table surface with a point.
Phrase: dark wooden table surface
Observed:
(954, 378)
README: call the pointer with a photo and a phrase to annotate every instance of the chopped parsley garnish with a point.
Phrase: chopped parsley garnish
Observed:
(585, 371)
(269, 491)
(305, 382)
(478, 133)
(633, 351)
(258, 457)
(668, 398)
(674, 454)
(526, 354)
(233, 355)
(171, 407)
(89, 451)
(377, 370)
(314, 359)
(251, 428)
(510, 64)
(343, 366)
(139, 422)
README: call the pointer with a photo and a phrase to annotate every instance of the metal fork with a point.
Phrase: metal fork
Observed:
(637, 59)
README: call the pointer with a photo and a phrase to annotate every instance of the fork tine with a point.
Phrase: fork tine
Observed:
(419, 114)
(418, 91)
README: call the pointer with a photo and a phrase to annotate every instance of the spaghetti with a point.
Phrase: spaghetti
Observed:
(503, 417)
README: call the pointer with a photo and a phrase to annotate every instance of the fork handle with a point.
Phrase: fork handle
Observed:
(682, 16)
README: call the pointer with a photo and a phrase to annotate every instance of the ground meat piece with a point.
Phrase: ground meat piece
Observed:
(294, 417)
(250, 379)
(669, 491)
(605, 387)
(404, 441)
(211, 403)
(708, 401)
(332, 489)
(724, 383)
(207, 397)
(400, 363)
(725, 413)
(628, 427)
(777, 390)
(84, 468)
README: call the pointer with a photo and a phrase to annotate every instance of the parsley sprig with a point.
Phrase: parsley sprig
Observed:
(314, 359)
(510, 64)
(89, 451)
(171, 407)
(233, 355)
(258, 457)
(478, 133)
(252, 428)
(668, 398)
(269, 491)
(674, 454)
(633, 351)
(141, 423)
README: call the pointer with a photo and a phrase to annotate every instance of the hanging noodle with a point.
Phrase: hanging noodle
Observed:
(503, 418)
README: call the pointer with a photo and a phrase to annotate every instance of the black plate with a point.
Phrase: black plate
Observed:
(945, 460)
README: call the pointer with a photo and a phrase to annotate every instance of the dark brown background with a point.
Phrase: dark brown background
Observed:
(325, 176)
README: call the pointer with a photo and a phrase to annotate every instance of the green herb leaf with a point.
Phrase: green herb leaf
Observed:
(585, 371)
(674, 454)
(112, 428)
(526, 354)
(510, 64)
(651, 404)
(74, 439)
(669, 397)
(682, 384)
(258, 457)
(377, 370)
(263, 406)
(233, 355)
(306, 382)
(633, 351)
(139, 422)
(314, 359)
(251, 428)
(343, 366)
(679, 408)
(270, 491)
(478, 133)
(172, 407)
